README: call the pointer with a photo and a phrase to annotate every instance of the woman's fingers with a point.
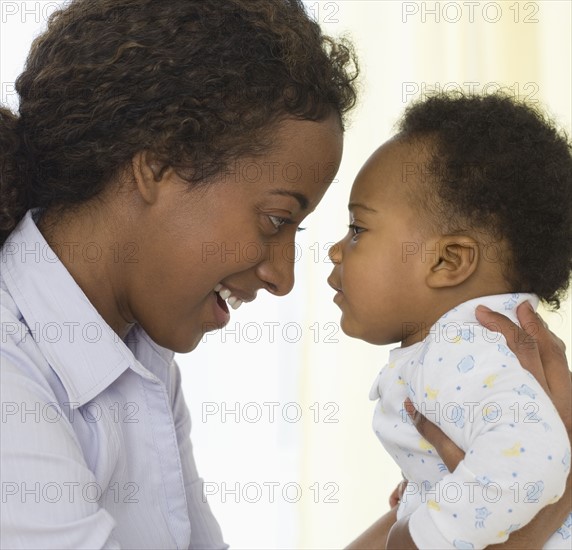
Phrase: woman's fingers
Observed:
(552, 353)
(521, 341)
(396, 496)
(552, 349)
(539, 351)
(446, 449)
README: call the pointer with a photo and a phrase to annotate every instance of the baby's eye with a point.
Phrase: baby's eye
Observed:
(355, 229)
(278, 222)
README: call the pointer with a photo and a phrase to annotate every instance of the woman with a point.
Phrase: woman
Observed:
(147, 133)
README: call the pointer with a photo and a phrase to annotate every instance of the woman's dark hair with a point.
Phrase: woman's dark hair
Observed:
(197, 82)
(500, 166)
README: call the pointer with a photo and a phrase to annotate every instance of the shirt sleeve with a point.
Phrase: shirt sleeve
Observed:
(517, 449)
(205, 530)
(44, 476)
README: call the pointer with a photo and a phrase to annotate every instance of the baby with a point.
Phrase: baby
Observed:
(470, 203)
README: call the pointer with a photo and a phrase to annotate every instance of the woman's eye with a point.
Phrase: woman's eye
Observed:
(278, 222)
(355, 229)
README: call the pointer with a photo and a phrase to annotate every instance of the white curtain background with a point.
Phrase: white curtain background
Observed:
(279, 399)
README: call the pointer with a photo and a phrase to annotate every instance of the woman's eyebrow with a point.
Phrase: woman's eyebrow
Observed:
(354, 205)
(302, 199)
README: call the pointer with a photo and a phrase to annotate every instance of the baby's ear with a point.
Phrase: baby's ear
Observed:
(455, 262)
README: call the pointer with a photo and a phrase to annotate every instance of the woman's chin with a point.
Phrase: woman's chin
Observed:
(188, 341)
(179, 341)
(185, 347)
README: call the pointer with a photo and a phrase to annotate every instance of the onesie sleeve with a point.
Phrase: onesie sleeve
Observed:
(517, 449)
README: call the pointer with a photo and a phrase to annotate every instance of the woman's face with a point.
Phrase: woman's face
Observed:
(234, 235)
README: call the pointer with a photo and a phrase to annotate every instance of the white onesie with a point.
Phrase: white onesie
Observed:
(464, 378)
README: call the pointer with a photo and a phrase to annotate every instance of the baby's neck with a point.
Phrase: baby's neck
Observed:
(440, 301)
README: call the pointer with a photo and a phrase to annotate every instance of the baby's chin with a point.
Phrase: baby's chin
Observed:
(378, 338)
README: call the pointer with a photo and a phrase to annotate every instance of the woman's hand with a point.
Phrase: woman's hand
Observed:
(539, 351)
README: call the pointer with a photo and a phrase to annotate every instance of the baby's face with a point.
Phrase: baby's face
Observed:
(381, 264)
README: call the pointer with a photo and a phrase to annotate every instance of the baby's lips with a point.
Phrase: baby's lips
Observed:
(334, 284)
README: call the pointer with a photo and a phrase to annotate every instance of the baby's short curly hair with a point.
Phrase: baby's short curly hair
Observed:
(197, 82)
(499, 166)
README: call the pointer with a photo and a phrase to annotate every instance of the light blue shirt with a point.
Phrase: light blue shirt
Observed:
(94, 439)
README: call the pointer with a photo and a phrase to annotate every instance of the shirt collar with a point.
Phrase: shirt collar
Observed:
(83, 350)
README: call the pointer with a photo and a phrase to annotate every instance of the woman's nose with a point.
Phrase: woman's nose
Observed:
(335, 253)
(277, 270)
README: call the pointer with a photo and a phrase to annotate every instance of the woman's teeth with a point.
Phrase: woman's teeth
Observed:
(226, 294)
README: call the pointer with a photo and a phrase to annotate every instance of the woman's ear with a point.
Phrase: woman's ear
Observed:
(148, 174)
(456, 260)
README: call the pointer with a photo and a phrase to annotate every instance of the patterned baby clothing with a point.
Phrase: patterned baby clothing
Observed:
(465, 379)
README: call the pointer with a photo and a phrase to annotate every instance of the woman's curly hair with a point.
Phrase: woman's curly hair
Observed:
(198, 82)
(500, 166)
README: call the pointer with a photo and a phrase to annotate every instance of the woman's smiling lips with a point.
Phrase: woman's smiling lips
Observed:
(222, 315)
(234, 297)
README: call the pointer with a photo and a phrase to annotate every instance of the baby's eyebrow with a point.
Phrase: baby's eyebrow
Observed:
(354, 205)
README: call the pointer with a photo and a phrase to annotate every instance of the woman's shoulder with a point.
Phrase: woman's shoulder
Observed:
(24, 371)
